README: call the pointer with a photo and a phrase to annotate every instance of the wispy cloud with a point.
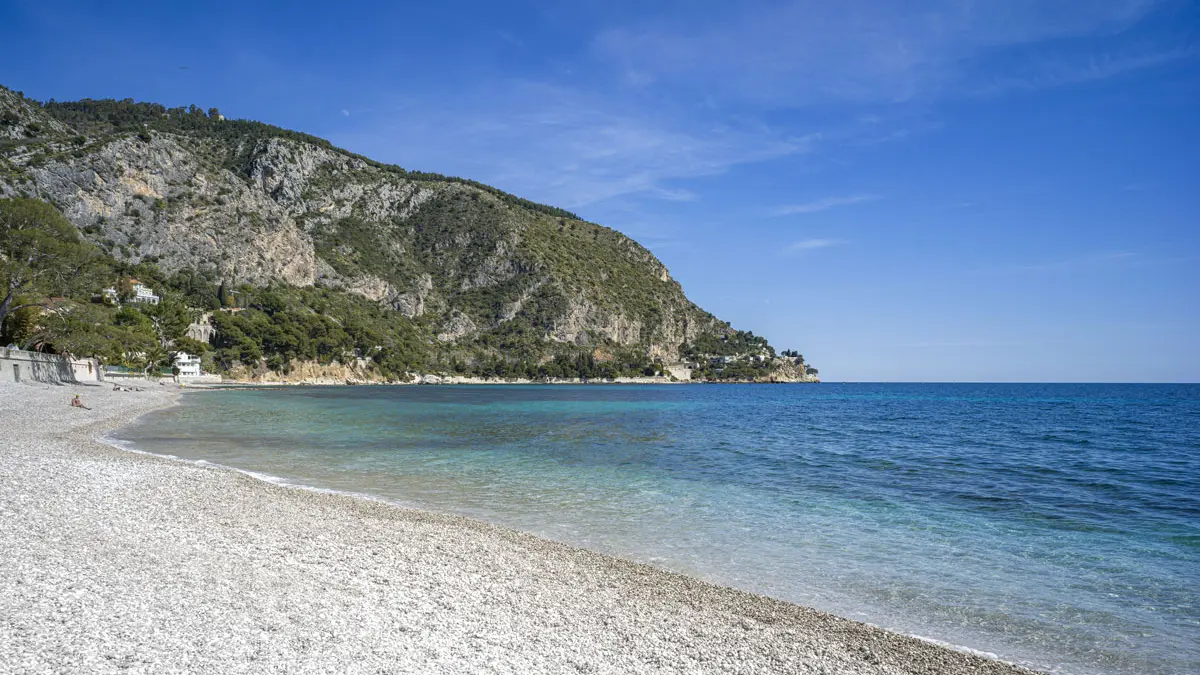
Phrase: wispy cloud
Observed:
(1062, 71)
(662, 98)
(569, 147)
(345, 112)
(823, 204)
(510, 39)
(811, 244)
(814, 52)
(673, 195)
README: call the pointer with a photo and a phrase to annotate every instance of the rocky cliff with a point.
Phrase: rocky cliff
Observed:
(247, 203)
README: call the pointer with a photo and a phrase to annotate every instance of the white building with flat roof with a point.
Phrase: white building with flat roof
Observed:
(188, 365)
(143, 293)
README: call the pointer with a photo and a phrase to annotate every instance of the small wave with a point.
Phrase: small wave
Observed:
(981, 653)
(959, 648)
(128, 446)
(1065, 439)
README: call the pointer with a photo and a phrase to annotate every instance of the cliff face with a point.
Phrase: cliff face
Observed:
(156, 199)
(252, 204)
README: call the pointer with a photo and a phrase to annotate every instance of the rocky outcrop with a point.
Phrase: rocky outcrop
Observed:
(789, 370)
(458, 327)
(310, 372)
(155, 199)
(584, 322)
(412, 302)
(20, 119)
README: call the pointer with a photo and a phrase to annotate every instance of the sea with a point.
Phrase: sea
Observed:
(1052, 525)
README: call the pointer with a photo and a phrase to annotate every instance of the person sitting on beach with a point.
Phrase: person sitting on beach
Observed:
(78, 403)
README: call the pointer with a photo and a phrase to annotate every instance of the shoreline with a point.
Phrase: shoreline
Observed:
(459, 380)
(261, 575)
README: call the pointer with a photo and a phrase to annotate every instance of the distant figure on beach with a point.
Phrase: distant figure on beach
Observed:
(78, 403)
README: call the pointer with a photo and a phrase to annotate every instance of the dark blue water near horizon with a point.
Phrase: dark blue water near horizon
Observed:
(1054, 525)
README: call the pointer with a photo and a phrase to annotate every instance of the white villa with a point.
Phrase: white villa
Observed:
(143, 293)
(189, 366)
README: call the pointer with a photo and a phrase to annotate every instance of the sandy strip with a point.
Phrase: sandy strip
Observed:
(112, 561)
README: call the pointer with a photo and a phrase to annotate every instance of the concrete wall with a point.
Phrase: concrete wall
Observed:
(124, 375)
(200, 379)
(87, 370)
(18, 365)
(679, 372)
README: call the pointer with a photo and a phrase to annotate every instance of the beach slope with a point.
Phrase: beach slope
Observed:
(119, 562)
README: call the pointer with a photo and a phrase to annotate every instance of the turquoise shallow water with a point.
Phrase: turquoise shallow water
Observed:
(1057, 526)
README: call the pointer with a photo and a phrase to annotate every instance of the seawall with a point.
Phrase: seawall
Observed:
(18, 365)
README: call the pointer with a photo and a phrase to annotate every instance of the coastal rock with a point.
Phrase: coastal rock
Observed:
(789, 370)
(310, 372)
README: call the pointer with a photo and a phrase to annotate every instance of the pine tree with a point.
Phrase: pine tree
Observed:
(224, 295)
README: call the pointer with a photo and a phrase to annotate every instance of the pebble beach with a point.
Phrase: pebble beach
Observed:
(114, 561)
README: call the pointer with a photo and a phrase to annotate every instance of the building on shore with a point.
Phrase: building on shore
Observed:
(188, 365)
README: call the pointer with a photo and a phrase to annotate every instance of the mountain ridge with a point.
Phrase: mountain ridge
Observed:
(485, 273)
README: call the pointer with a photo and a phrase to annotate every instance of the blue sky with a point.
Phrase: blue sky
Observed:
(972, 190)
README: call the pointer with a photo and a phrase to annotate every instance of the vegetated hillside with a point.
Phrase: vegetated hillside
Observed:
(483, 275)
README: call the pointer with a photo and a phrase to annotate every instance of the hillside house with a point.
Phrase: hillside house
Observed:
(143, 293)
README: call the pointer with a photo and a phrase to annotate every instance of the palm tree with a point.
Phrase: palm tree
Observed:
(153, 358)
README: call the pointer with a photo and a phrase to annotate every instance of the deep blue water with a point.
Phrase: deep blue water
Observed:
(1053, 525)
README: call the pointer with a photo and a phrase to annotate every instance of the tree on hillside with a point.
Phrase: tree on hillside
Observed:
(225, 296)
(189, 346)
(125, 290)
(83, 329)
(41, 255)
(170, 319)
(195, 287)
